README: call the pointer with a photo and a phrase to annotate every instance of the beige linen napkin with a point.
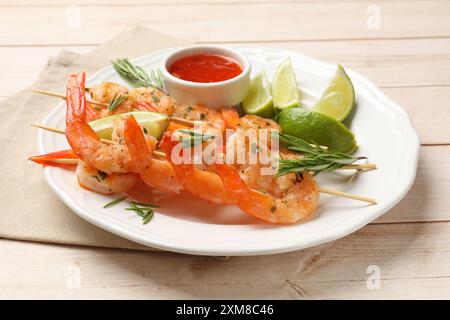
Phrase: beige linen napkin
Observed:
(29, 209)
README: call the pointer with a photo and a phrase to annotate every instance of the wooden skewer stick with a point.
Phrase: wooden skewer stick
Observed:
(347, 195)
(157, 153)
(61, 131)
(361, 166)
(322, 190)
(189, 123)
(186, 122)
(62, 96)
(160, 154)
(64, 161)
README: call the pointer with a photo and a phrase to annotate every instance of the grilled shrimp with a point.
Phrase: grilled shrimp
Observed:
(156, 173)
(145, 99)
(101, 182)
(249, 122)
(286, 199)
(203, 184)
(105, 92)
(98, 181)
(248, 146)
(298, 202)
(84, 141)
(167, 176)
(212, 122)
(150, 99)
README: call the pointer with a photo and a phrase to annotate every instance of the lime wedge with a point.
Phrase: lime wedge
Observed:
(153, 123)
(259, 100)
(284, 87)
(338, 100)
(316, 127)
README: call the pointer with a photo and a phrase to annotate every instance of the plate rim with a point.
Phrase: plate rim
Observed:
(331, 235)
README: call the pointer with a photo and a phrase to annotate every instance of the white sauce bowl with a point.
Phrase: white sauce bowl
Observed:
(214, 95)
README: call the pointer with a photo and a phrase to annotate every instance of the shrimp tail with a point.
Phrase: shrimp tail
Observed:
(173, 126)
(83, 139)
(202, 184)
(236, 186)
(169, 144)
(230, 116)
(264, 206)
(48, 159)
(77, 129)
(136, 144)
(91, 113)
(156, 173)
(75, 96)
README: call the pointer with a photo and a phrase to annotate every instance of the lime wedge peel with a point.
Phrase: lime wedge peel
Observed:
(319, 128)
(338, 99)
(259, 99)
(153, 123)
(284, 87)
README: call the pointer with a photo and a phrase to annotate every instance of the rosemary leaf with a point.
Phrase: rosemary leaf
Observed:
(142, 204)
(136, 76)
(144, 210)
(314, 158)
(147, 217)
(116, 101)
(193, 138)
(114, 202)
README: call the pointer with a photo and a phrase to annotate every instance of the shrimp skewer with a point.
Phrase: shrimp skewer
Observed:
(88, 177)
(162, 155)
(62, 161)
(203, 184)
(166, 176)
(298, 202)
(144, 99)
(105, 168)
(83, 139)
(119, 159)
(280, 200)
(158, 103)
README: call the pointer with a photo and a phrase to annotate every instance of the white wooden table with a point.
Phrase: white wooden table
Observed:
(403, 46)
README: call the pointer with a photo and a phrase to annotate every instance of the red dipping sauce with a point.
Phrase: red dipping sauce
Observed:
(205, 68)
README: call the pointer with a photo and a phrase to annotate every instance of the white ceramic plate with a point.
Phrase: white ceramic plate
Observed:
(384, 133)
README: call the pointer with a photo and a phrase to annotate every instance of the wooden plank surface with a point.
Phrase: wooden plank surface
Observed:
(427, 102)
(426, 201)
(248, 21)
(408, 57)
(382, 61)
(413, 261)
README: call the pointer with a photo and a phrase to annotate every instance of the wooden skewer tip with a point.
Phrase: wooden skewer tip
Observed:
(347, 195)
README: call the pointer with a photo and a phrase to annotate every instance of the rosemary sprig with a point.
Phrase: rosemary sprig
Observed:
(144, 210)
(136, 76)
(116, 101)
(193, 138)
(114, 202)
(315, 158)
